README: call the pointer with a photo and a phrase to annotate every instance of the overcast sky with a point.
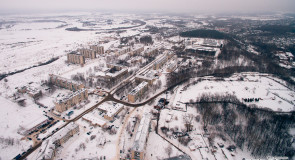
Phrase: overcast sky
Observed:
(207, 6)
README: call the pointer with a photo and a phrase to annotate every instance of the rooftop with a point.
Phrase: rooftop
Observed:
(64, 98)
(94, 120)
(142, 133)
(110, 108)
(138, 88)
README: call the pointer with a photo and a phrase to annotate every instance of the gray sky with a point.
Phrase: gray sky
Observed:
(207, 6)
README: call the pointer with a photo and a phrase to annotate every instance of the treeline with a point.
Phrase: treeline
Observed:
(263, 132)
(146, 40)
(204, 33)
(179, 76)
(277, 29)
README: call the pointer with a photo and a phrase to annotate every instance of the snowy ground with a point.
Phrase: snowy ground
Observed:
(12, 117)
(273, 95)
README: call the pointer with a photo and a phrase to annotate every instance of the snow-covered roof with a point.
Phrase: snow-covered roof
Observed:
(142, 133)
(94, 120)
(64, 131)
(110, 108)
(65, 98)
(138, 88)
(48, 147)
(34, 122)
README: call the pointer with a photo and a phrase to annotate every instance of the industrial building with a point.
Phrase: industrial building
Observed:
(110, 109)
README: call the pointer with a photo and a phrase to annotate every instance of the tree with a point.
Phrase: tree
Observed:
(146, 40)
(188, 118)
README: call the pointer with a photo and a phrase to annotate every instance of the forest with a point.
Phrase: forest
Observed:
(262, 132)
(203, 33)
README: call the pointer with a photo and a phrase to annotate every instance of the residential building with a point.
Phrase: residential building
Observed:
(150, 51)
(76, 58)
(48, 148)
(87, 53)
(65, 83)
(112, 74)
(123, 51)
(141, 137)
(97, 49)
(64, 102)
(171, 66)
(137, 92)
(160, 62)
(137, 51)
(148, 77)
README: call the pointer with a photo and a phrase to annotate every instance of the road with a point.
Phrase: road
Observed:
(109, 97)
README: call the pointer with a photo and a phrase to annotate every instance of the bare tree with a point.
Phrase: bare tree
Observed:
(188, 118)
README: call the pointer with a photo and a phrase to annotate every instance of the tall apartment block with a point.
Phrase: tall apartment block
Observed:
(97, 49)
(87, 53)
(76, 58)
(65, 102)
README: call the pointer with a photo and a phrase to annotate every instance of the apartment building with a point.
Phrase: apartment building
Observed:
(137, 51)
(159, 63)
(151, 51)
(137, 92)
(65, 134)
(87, 53)
(141, 137)
(150, 78)
(65, 83)
(76, 58)
(171, 66)
(97, 49)
(123, 51)
(64, 102)
(113, 74)
(48, 148)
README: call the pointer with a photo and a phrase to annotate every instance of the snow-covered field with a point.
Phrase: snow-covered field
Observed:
(273, 95)
(13, 117)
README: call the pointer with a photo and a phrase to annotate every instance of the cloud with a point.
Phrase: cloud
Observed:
(206, 6)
